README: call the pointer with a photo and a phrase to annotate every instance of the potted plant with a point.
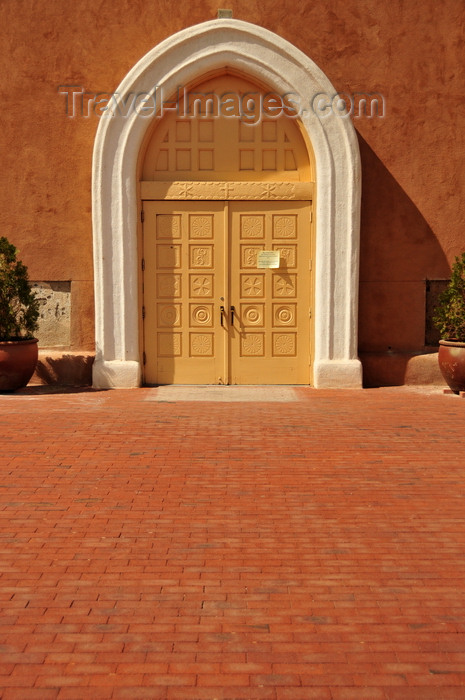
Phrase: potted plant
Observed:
(449, 319)
(19, 313)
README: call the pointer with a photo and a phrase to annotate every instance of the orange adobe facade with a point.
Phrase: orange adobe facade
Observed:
(59, 59)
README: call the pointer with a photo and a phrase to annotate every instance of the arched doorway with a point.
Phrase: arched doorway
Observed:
(226, 196)
(182, 60)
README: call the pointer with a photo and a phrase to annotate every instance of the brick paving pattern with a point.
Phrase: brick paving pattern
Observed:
(209, 550)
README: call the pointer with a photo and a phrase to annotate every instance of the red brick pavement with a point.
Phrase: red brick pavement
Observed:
(307, 549)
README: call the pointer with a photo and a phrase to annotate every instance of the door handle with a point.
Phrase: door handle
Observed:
(233, 309)
(221, 315)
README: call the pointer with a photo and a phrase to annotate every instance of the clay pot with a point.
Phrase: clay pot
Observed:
(452, 364)
(18, 360)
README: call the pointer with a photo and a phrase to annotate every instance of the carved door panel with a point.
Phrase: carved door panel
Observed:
(184, 258)
(211, 314)
(269, 339)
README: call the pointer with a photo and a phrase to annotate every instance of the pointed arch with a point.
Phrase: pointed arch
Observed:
(182, 60)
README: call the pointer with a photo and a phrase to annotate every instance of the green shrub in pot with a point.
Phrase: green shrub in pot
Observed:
(19, 313)
(449, 319)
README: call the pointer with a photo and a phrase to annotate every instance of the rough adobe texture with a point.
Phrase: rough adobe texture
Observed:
(412, 213)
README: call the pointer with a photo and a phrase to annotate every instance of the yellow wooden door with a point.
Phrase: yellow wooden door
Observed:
(183, 283)
(212, 315)
(224, 176)
(269, 338)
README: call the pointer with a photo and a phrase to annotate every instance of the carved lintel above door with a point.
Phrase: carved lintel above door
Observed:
(227, 190)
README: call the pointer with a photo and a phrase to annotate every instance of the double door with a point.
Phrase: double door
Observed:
(227, 292)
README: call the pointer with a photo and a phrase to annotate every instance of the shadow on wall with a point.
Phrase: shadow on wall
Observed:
(62, 369)
(398, 252)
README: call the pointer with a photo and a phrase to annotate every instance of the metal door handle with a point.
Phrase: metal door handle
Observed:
(221, 314)
(233, 309)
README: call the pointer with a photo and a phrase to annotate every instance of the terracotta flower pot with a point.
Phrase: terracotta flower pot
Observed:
(18, 360)
(452, 363)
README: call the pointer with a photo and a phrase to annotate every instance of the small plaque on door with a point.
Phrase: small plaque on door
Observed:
(268, 258)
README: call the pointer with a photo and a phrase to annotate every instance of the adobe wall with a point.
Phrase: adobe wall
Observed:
(412, 158)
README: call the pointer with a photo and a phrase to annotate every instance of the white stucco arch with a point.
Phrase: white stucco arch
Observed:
(180, 60)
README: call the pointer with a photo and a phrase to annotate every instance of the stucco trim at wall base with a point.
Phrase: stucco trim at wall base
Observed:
(116, 374)
(335, 374)
(400, 368)
(60, 367)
